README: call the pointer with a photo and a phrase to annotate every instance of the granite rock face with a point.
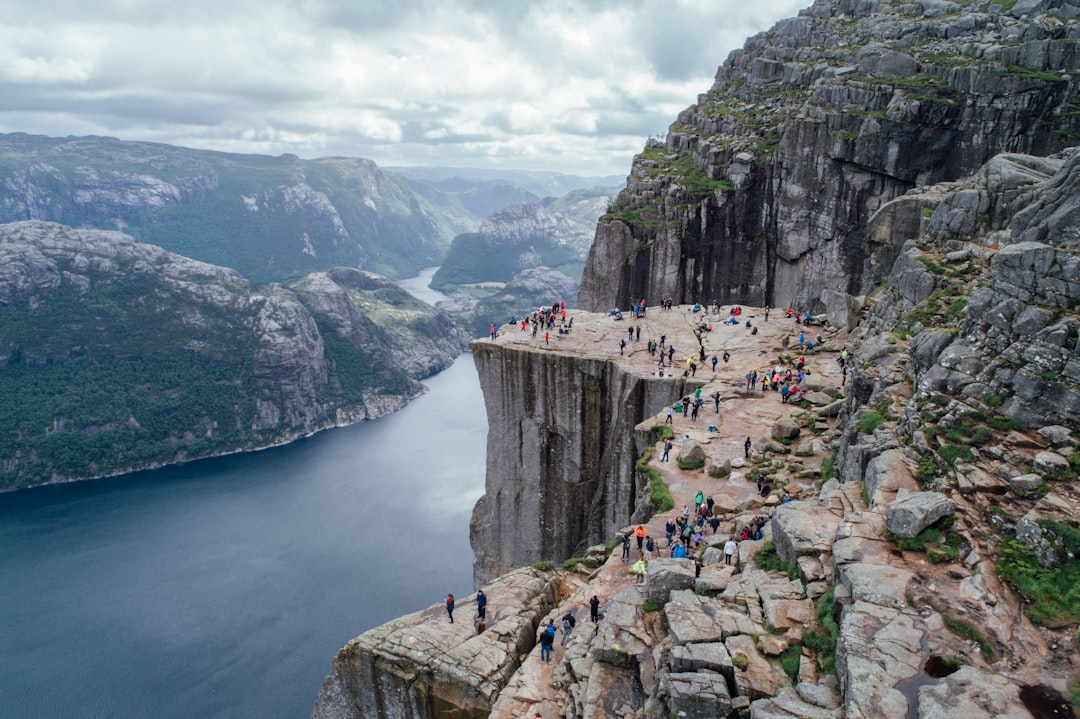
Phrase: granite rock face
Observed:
(561, 452)
(777, 187)
(421, 665)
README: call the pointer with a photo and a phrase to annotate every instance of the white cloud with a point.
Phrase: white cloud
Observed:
(545, 84)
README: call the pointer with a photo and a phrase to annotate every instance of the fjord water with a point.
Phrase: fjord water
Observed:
(223, 588)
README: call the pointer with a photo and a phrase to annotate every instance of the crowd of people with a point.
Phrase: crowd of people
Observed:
(684, 534)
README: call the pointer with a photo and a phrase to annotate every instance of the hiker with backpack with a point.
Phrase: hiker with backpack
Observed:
(568, 623)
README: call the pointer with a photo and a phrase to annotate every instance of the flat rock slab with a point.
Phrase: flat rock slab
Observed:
(665, 576)
(803, 527)
(971, 693)
(710, 656)
(763, 677)
(878, 648)
(698, 695)
(791, 703)
(876, 583)
(694, 619)
(621, 637)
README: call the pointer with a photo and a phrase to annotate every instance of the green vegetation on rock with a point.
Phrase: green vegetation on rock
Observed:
(1051, 596)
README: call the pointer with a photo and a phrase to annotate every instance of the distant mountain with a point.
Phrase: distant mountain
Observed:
(117, 355)
(540, 184)
(269, 218)
(554, 233)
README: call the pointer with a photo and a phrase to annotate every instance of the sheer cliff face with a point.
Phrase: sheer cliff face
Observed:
(763, 190)
(560, 454)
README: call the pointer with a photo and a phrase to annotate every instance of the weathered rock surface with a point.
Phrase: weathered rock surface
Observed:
(665, 576)
(911, 513)
(972, 694)
(803, 528)
(560, 464)
(403, 668)
(796, 160)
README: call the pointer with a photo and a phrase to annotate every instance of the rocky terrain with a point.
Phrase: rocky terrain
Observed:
(117, 355)
(765, 190)
(919, 555)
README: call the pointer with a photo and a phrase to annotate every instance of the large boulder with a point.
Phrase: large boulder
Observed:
(691, 453)
(667, 575)
(803, 527)
(785, 429)
(1050, 463)
(694, 694)
(621, 638)
(912, 512)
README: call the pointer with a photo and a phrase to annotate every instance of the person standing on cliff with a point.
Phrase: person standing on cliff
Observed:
(622, 346)
(547, 639)
(568, 623)
(594, 609)
(746, 447)
(450, 607)
(667, 449)
(481, 605)
(729, 551)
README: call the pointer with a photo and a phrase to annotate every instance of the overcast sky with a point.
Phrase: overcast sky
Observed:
(571, 86)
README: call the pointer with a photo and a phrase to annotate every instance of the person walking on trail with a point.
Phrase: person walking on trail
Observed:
(481, 605)
(746, 446)
(699, 499)
(594, 609)
(547, 639)
(714, 360)
(622, 346)
(667, 450)
(729, 550)
(568, 623)
(716, 401)
(714, 523)
(626, 547)
(639, 571)
(639, 532)
(450, 607)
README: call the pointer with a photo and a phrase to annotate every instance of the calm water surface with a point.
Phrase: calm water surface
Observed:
(418, 286)
(223, 588)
